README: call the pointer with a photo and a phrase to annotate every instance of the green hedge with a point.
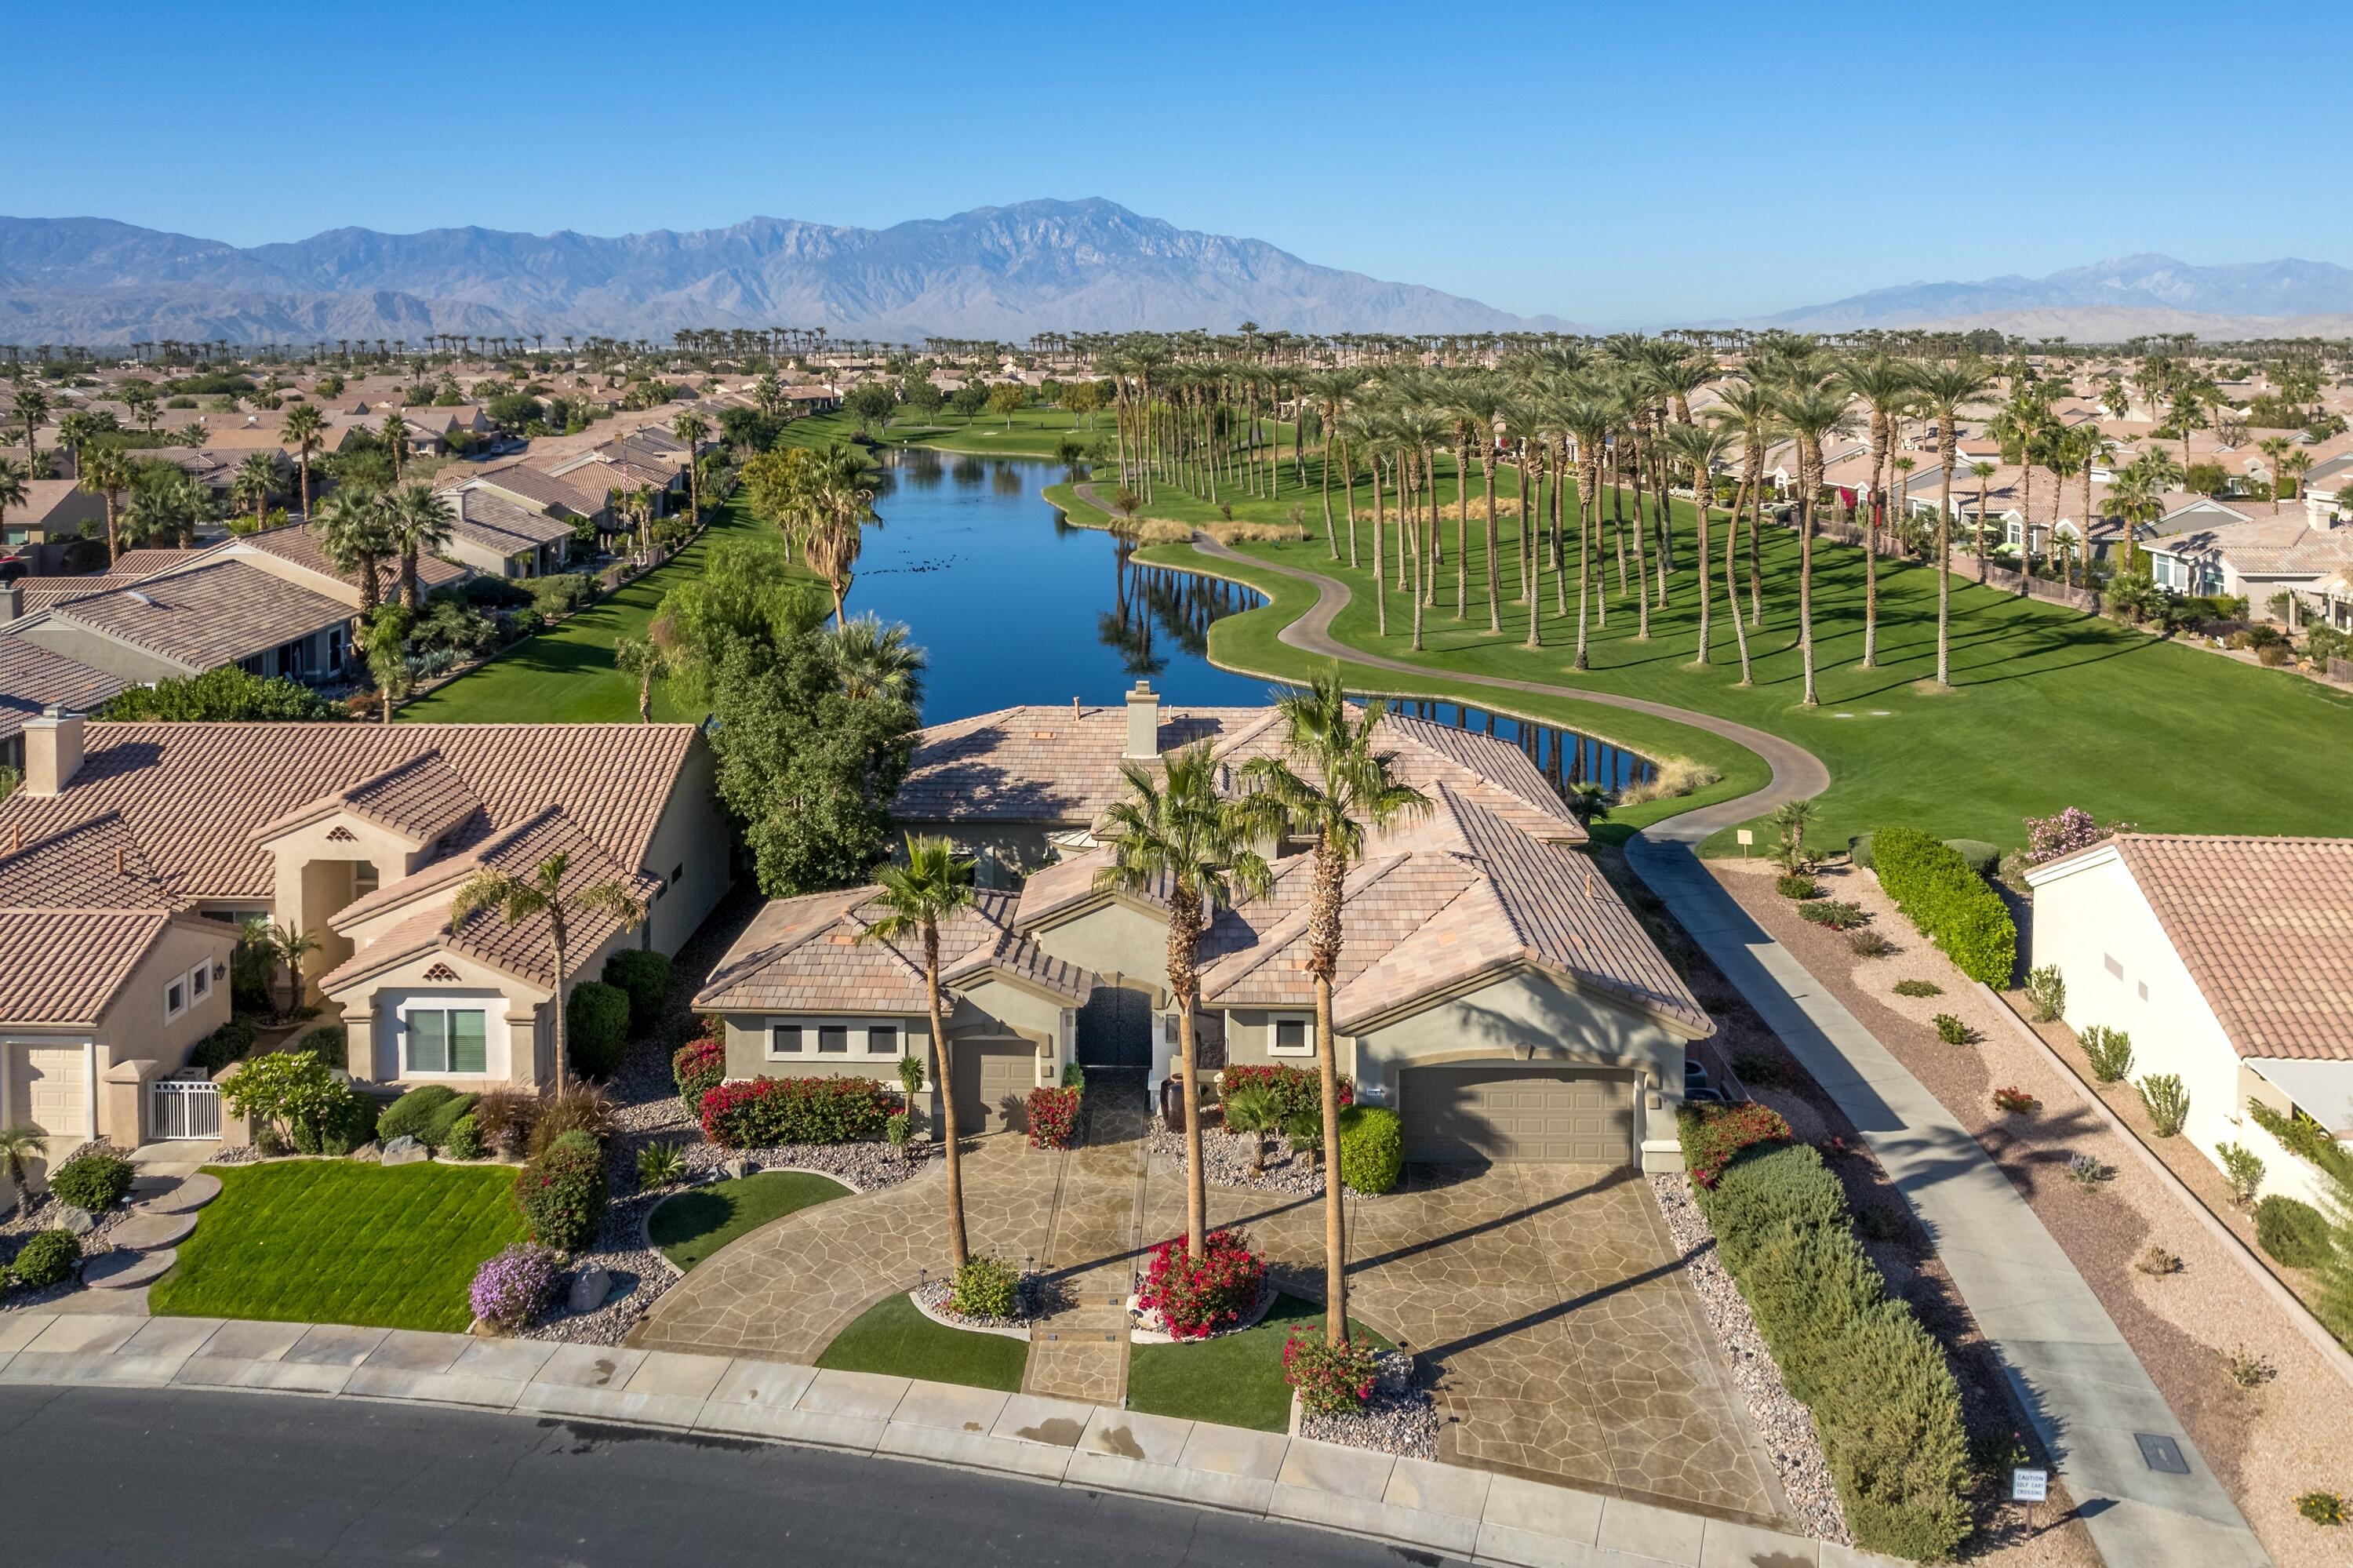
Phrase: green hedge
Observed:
(228, 1044)
(596, 1028)
(645, 976)
(1953, 906)
(1884, 1402)
(2294, 1232)
(1372, 1149)
(426, 1114)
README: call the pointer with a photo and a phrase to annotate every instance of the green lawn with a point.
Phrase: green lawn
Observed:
(692, 1226)
(335, 1241)
(1235, 1381)
(890, 1336)
(2050, 708)
(567, 676)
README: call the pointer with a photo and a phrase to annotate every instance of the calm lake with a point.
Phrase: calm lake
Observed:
(1017, 606)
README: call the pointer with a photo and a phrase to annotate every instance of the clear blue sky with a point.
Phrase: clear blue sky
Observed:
(1616, 164)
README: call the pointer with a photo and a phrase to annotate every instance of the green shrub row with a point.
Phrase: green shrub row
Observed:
(1884, 1401)
(228, 1044)
(1953, 906)
(1372, 1149)
(2301, 1135)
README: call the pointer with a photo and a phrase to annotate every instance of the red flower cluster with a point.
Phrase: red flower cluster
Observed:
(2011, 1098)
(697, 1068)
(765, 1112)
(1330, 1378)
(1295, 1089)
(1053, 1118)
(1711, 1135)
(1196, 1299)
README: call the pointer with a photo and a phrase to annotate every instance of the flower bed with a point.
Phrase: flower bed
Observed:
(1195, 1298)
(765, 1111)
(1295, 1089)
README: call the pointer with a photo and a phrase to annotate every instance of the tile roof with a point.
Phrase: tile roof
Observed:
(805, 954)
(421, 798)
(92, 864)
(31, 678)
(490, 520)
(543, 488)
(106, 946)
(204, 617)
(298, 544)
(193, 794)
(2265, 928)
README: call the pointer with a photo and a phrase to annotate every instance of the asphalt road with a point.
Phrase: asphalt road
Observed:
(92, 1476)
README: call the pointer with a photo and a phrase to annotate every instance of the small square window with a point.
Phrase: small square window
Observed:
(784, 1040)
(200, 981)
(678, 874)
(832, 1039)
(882, 1040)
(2144, 990)
(1290, 1035)
(176, 998)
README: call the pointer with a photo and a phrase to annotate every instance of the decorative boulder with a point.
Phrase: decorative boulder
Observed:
(73, 1221)
(405, 1151)
(738, 1168)
(590, 1285)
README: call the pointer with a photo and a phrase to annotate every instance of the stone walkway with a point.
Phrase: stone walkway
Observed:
(1567, 1343)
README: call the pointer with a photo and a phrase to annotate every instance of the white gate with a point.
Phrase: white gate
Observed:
(186, 1108)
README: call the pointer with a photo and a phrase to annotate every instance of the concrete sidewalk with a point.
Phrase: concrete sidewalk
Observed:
(1464, 1513)
(2087, 1394)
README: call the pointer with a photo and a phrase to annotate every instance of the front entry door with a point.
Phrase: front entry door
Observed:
(1116, 1028)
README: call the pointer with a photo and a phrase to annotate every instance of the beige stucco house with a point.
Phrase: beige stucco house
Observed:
(361, 835)
(2229, 960)
(1492, 989)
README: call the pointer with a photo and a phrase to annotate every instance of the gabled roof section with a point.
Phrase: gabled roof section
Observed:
(32, 678)
(421, 798)
(105, 945)
(815, 954)
(94, 864)
(201, 618)
(1039, 764)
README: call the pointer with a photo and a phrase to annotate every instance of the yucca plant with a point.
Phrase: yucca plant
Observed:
(659, 1165)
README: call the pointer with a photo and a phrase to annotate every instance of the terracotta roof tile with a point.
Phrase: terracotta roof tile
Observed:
(806, 955)
(106, 946)
(32, 678)
(205, 617)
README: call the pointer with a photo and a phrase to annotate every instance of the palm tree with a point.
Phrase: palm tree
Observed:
(416, 523)
(1336, 784)
(107, 475)
(1812, 412)
(1945, 391)
(352, 530)
(1746, 409)
(915, 899)
(1177, 837)
(1587, 417)
(255, 482)
(545, 892)
(1473, 404)
(19, 1146)
(1982, 472)
(872, 660)
(646, 658)
(306, 433)
(32, 408)
(1885, 385)
(693, 429)
(1702, 448)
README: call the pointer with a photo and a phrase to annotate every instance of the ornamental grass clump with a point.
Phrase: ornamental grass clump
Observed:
(511, 1286)
(1197, 1297)
(1833, 913)
(1331, 1379)
(1952, 1031)
(2166, 1102)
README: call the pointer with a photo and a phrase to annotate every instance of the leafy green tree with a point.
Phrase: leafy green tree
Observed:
(872, 403)
(511, 411)
(1008, 398)
(289, 1089)
(969, 401)
(923, 399)
(744, 595)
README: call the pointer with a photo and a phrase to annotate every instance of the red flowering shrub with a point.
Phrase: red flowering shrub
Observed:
(697, 1068)
(1331, 1379)
(1295, 1089)
(765, 1112)
(2017, 1101)
(1053, 1118)
(1711, 1135)
(1196, 1299)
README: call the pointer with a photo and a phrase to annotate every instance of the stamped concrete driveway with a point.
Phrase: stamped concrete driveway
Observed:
(1566, 1342)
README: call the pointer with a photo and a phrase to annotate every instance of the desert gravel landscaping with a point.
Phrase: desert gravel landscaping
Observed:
(2268, 1444)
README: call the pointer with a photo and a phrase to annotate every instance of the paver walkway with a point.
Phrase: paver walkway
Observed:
(1080, 1349)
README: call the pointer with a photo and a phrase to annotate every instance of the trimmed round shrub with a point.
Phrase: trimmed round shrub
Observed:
(1977, 855)
(561, 1193)
(2293, 1231)
(698, 1067)
(1372, 1149)
(465, 1140)
(596, 1028)
(511, 1286)
(986, 1286)
(438, 1127)
(93, 1181)
(644, 976)
(1194, 1298)
(412, 1115)
(45, 1259)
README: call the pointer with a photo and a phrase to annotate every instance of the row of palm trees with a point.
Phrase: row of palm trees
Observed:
(362, 531)
(1177, 834)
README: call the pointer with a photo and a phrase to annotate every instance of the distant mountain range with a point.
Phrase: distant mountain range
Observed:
(1003, 272)
(2107, 302)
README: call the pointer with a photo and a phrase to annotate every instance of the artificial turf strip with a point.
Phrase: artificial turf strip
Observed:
(1235, 1380)
(692, 1226)
(338, 1241)
(890, 1336)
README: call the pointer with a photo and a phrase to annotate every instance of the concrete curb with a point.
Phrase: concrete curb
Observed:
(1413, 1503)
(2332, 1354)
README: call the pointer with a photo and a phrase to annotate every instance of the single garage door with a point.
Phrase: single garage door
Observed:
(53, 1089)
(993, 1080)
(1513, 1111)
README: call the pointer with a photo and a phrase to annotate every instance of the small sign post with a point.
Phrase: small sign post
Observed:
(1746, 837)
(2029, 1487)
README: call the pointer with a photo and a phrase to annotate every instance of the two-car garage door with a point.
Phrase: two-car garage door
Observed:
(1481, 1112)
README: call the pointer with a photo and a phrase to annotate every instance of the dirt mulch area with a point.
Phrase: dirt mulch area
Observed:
(2268, 1444)
(1890, 1232)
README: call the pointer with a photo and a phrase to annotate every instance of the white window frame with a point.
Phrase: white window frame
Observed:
(200, 982)
(857, 1034)
(1274, 1021)
(407, 1014)
(177, 985)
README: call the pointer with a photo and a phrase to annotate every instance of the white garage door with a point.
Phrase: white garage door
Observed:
(53, 1089)
(1480, 1112)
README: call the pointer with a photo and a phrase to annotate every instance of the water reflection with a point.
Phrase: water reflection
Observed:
(1563, 756)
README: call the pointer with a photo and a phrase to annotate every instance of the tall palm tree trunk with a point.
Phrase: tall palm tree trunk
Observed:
(1487, 470)
(1943, 564)
(1585, 508)
(1700, 488)
(1805, 579)
(1731, 578)
(943, 1081)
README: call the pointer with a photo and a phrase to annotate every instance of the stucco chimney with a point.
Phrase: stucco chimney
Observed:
(12, 603)
(52, 751)
(1143, 722)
